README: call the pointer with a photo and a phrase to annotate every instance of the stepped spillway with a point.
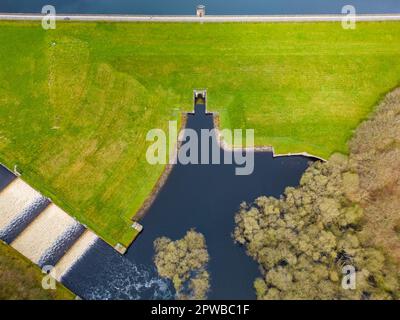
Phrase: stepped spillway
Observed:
(45, 234)
(79, 248)
(19, 205)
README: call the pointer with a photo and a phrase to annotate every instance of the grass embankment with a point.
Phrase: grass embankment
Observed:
(77, 102)
(21, 279)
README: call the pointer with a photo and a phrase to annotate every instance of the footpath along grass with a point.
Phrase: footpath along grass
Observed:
(76, 102)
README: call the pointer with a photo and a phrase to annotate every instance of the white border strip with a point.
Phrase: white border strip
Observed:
(209, 18)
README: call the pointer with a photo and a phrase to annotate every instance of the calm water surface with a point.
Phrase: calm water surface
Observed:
(185, 7)
(204, 197)
(5, 177)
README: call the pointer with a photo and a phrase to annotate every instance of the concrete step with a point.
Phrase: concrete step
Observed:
(74, 254)
(49, 233)
(19, 205)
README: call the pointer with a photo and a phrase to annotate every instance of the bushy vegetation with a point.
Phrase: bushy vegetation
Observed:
(375, 157)
(184, 262)
(76, 102)
(345, 212)
(20, 279)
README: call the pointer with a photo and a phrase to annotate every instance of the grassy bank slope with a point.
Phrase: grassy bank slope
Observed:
(76, 102)
(20, 279)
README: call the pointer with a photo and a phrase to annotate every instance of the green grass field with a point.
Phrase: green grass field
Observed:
(76, 102)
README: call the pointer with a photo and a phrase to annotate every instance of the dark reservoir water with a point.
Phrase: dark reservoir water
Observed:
(5, 177)
(204, 197)
(187, 7)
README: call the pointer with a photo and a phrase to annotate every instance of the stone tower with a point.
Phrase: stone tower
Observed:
(200, 11)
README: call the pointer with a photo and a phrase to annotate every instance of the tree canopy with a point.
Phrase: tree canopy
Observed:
(184, 261)
(344, 213)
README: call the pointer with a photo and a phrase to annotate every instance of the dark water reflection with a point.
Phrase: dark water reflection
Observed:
(185, 7)
(5, 177)
(204, 197)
